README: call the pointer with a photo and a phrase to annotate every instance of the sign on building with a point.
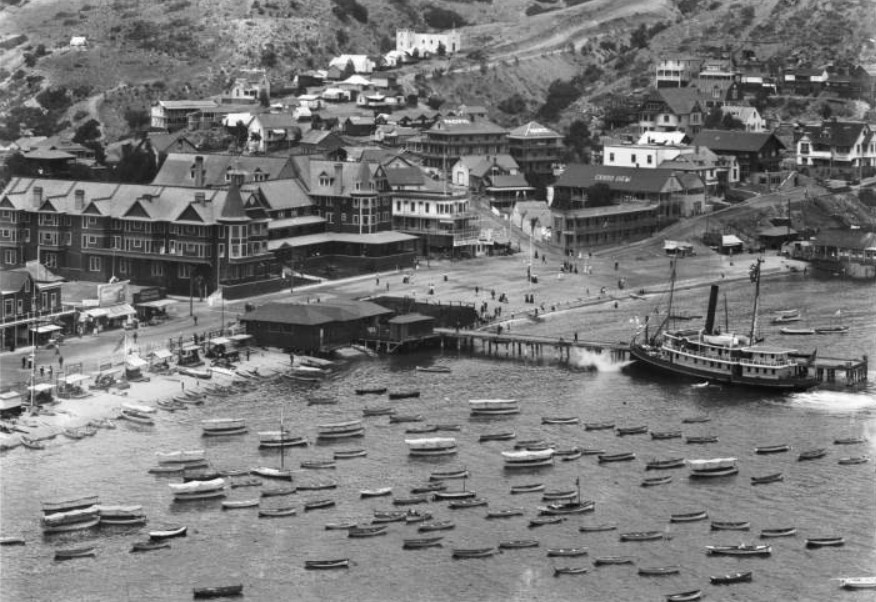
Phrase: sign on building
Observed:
(112, 294)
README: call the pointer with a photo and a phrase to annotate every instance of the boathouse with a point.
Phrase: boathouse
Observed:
(314, 327)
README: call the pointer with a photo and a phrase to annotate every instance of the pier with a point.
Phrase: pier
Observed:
(525, 347)
(853, 371)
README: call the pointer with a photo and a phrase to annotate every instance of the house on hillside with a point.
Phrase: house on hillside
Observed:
(749, 116)
(322, 142)
(361, 63)
(79, 43)
(471, 171)
(219, 170)
(756, 152)
(453, 137)
(672, 110)
(676, 70)
(803, 81)
(407, 40)
(838, 147)
(172, 115)
(537, 150)
(273, 131)
(250, 84)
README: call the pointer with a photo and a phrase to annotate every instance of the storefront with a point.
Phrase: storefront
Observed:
(10, 404)
(152, 305)
(159, 360)
(71, 386)
(45, 333)
(189, 355)
(97, 319)
(134, 366)
(40, 393)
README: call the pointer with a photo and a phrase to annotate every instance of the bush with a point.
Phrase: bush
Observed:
(513, 105)
(442, 18)
(90, 130)
(560, 95)
(535, 9)
(54, 99)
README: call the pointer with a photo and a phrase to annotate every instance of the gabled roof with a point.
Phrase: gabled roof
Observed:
(533, 129)
(356, 80)
(41, 273)
(280, 194)
(12, 281)
(459, 125)
(232, 209)
(624, 179)
(735, 141)
(310, 169)
(681, 101)
(177, 168)
(273, 121)
(846, 239)
(314, 314)
(664, 138)
(836, 133)
(513, 181)
(405, 176)
(479, 165)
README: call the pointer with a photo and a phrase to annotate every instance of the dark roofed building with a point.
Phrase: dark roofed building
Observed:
(216, 170)
(851, 253)
(313, 327)
(755, 151)
(838, 146)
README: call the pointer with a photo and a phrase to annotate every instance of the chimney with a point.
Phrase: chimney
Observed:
(79, 199)
(199, 172)
(237, 178)
(339, 178)
(37, 196)
(201, 198)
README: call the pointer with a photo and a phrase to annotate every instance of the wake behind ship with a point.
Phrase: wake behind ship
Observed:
(727, 358)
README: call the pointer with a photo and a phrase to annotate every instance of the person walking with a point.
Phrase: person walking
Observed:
(24, 362)
(60, 362)
(195, 318)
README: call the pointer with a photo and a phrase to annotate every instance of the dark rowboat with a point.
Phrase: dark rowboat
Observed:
(812, 454)
(424, 542)
(654, 481)
(702, 439)
(546, 520)
(340, 563)
(504, 436)
(632, 430)
(430, 487)
(279, 492)
(445, 475)
(318, 464)
(604, 560)
(559, 495)
(598, 426)
(378, 412)
(566, 552)
(597, 528)
(738, 577)
(417, 430)
(367, 531)
(345, 454)
(316, 504)
(852, 460)
(504, 513)
(409, 501)
(779, 532)
(532, 488)
(742, 525)
(453, 495)
(821, 542)
(221, 591)
(772, 449)
(371, 391)
(277, 512)
(515, 544)
(642, 536)
(399, 418)
(770, 478)
(11, 541)
(666, 434)
(473, 552)
(621, 457)
(569, 570)
(849, 440)
(740, 550)
(74, 553)
(664, 464)
(659, 571)
(403, 394)
(686, 517)
(694, 594)
(375, 492)
(592, 451)
(472, 503)
(695, 419)
(148, 546)
(440, 525)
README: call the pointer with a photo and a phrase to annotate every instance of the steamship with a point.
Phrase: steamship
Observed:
(723, 357)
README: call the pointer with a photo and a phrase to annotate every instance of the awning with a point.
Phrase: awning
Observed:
(96, 312)
(46, 328)
(191, 348)
(107, 372)
(72, 379)
(134, 361)
(120, 311)
(158, 303)
(240, 337)
(162, 354)
(40, 387)
(219, 341)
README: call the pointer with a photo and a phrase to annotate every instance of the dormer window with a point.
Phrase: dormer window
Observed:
(324, 180)
(358, 186)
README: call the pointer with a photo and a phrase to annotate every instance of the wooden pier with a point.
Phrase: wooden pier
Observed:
(854, 371)
(525, 347)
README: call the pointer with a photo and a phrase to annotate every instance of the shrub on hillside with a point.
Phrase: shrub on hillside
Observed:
(560, 94)
(442, 18)
(350, 8)
(576, 2)
(513, 105)
(536, 9)
(54, 99)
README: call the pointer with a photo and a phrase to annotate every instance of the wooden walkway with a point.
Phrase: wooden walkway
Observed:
(525, 346)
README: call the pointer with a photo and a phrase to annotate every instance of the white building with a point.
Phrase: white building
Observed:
(406, 40)
(361, 62)
(748, 116)
(648, 156)
(249, 84)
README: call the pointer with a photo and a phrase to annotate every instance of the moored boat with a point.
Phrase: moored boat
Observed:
(422, 542)
(347, 454)
(403, 394)
(570, 570)
(318, 485)
(598, 426)
(272, 473)
(71, 520)
(444, 475)
(436, 369)
(812, 454)
(433, 446)
(769, 478)
(378, 411)
(280, 438)
(659, 571)
(566, 552)
(121, 515)
(11, 541)
(642, 536)
(440, 525)
(772, 449)
(168, 533)
(399, 418)
(318, 464)
(664, 464)
(473, 552)
(70, 504)
(453, 495)
(559, 494)
(235, 504)
(317, 504)
(183, 457)
(516, 544)
(493, 407)
(566, 508)
(469, 503)
(660, 435)
(855, 583)
(724, 525)
(528, 459)
(654, 481)
(339, 563)
(541, 521)
(218, 591)
(619, 457)
(198, 490)
(778, 532)
(69, 553)
(701, 439)
(530, 488)
(500, 436)
(504, 513)
(375, 492)
(597, 528)
(410, 501)
(559, 420)
(797, 331)
(136, 417)
(419, 430)
(849, 440)
(740, 550)
(367, 531)
(631, 430)
(341, 430)
(712, 468)
(277, 512)
(700, 418)
(429, 487)
(149, 546)
(823, 542)
(217, 427)
(737, 577)
(852, 460)
(371, 391)
(686, 517)
(608, 560)
(688, 596)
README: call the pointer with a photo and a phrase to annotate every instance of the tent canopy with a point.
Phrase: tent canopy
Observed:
(134, 361)
(46, 328)
(72, 379)
(162, 354)
(157, 304)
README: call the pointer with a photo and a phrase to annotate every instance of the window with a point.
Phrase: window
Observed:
(184, 271)
(8, 307)
(343, 218)
(221, 249)
(95, 264)
(331, 218)
(633, 158)
(20, 306)
(44, 300)
(666, 119)
(27, 235)
(611, 157)
(356, 219)
(50, 260)
(90, 221)
(27, 285)
(650, 159)
(804, 148)
(68, 238)
(9, 257)
(157, 268)
(324, 181)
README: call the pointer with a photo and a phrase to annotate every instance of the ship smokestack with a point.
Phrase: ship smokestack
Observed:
(710, 316)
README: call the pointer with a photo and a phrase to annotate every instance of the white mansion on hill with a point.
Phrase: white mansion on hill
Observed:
(406, 40)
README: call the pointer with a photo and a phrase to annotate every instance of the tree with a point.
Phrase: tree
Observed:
(435, 102)
(90, 130)
(441, 50)
(349, 69)
(269, 56)
(714, 119)
(412, 100)
(137, 166)
(137, 119)
(513, 105)
(639, 38)
(578, 139)
(729, 122)
(264, 100)
(825, 111)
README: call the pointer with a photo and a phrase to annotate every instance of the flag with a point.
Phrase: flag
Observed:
(120, 344)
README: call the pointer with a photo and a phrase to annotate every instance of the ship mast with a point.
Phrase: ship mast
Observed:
(754, 274)
(669, 308)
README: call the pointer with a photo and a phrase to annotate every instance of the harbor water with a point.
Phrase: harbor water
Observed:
(820, 498)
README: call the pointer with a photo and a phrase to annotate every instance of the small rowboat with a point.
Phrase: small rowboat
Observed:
(570, 455)
(277, 512)
(569, 570)
(410, 501)
(531, 488)
(378, 411)
(318, 464)
(694, 594)
(316, 504)
(659, 571)
(272, 473)
(340, 563)
(779, 532)
(822, 542)
(812, 454)
(342, 526)
(448, 427)
(738, 577)
(559, 495)
(430, 487)
(770, 478)
(235, 504)
(654, 481)
(503, 436)
(375, 492)
(419, 430)
(570, 507)
(566, 552)
(414, 516)
(854, 583)
(621, 457)
(279, 492)
(559, 420)
(666, 434)
(369, 531)
(531, 444)
(797, 331)
(167, 469)
(371, 391)
(604, 560)
(516, 544)
(399, 418)
(740, 550)
(740, 525)
(168, 533)
(453, 495)
(403, 394)
(632, 430)
(473, 552)
(318, 485)
(446, 475)
(701, 439)
(849, 440)
(598, 426)
(592, 451)
(149, 546)
(642, 536)
(436, 369)
(31, 443)
(472, 503)
(597, 528)
(772, 449)
(74, 553)
(438, 525)
(508, 513)
(11, 541)
(852, 460)
(219, 591)
(546, 520)
(687, 517)
(136, 417)
(238, 482)
(695, 419)
(422, 542)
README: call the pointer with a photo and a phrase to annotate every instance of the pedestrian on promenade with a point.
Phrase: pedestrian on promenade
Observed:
(51, 371)
(576, 337)
(23, 362)
(247, 354)
(195, 318)
(182, 384)
(477, 289)
(387, 286)
(377, 280)
(135, 337)
(42, 371)
(60, 362)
